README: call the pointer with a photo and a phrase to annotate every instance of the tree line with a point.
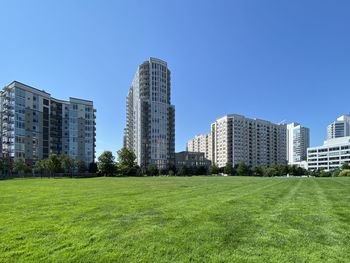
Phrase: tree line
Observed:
(48, 167)
(125, 165)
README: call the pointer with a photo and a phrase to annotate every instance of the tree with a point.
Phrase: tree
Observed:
(19, 166)
(228, 169)
(93, 168)
(213, 169)
(81, 166)
(242, 169)
(202, 170)
(127, 162)
(53, 163)
(152, 170)
(345, 166)
(270, 172)
(2, 166)
(325, 174)
(172, 170)
(293, 169)
(258, 171)
(67, 164)
(282, 169)
(106, 163)
(183, 171)
(40, 167)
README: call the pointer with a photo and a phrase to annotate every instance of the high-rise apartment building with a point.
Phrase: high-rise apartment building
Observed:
(150, 117)
(298, 140)
(339, 128)
(35, 125)
(201, 143)
(256, 142)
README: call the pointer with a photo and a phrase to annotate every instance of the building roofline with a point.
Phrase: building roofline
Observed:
(28, 86)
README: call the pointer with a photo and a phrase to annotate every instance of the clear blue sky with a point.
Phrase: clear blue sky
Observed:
(275, 60)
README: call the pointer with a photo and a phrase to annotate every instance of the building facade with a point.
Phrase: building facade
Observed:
(256, 142)
(35, 125)
(298, 140)
(191, 159)
(201, 143)
(150, 116)
(339, 128)
(331, 155)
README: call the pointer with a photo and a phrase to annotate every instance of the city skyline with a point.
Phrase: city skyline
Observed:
(255, 59)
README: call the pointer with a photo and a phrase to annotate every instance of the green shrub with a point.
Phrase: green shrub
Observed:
(345, 173)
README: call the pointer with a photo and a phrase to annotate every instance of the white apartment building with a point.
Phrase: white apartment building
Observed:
(201, 143)
(331, 155)
(150, 118)
(253, 141)
(339, 128)
(298, 140)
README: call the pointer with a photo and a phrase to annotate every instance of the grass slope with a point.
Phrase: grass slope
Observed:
(187, 219)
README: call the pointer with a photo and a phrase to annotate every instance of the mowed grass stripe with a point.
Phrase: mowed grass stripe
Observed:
(194, 219)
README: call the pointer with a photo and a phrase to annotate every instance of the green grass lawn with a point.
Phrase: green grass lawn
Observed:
(172, 219)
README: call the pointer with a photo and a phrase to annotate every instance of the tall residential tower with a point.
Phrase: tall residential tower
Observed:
(339, 128)
(298, 140)
(150, 117)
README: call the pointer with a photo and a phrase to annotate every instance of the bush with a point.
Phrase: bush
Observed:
(270, 172)
(213, 169)
(345, 172)
(324, 174)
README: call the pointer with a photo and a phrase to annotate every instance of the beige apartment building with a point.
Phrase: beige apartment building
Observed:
(235, 138)
(201, 143)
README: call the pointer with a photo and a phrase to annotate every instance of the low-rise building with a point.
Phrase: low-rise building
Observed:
(331, 155)
(191, 159)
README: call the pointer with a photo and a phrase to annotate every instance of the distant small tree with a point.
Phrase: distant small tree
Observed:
(202, 170)
(242, 169)
(336, 172)
(213, 169)
(106, 163)
(324, 173)
(19, 166)
(270, 172)
(2, 166)
(192, 170)
(39, 167)
(345, 166)
(258, 171)
(93, 168)
(228, 169)
(81, 166)
(182, 171)
(172, 170)
(152, 170)
(282, 169)
(54, 163)
(293, 169)
(67, 164)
